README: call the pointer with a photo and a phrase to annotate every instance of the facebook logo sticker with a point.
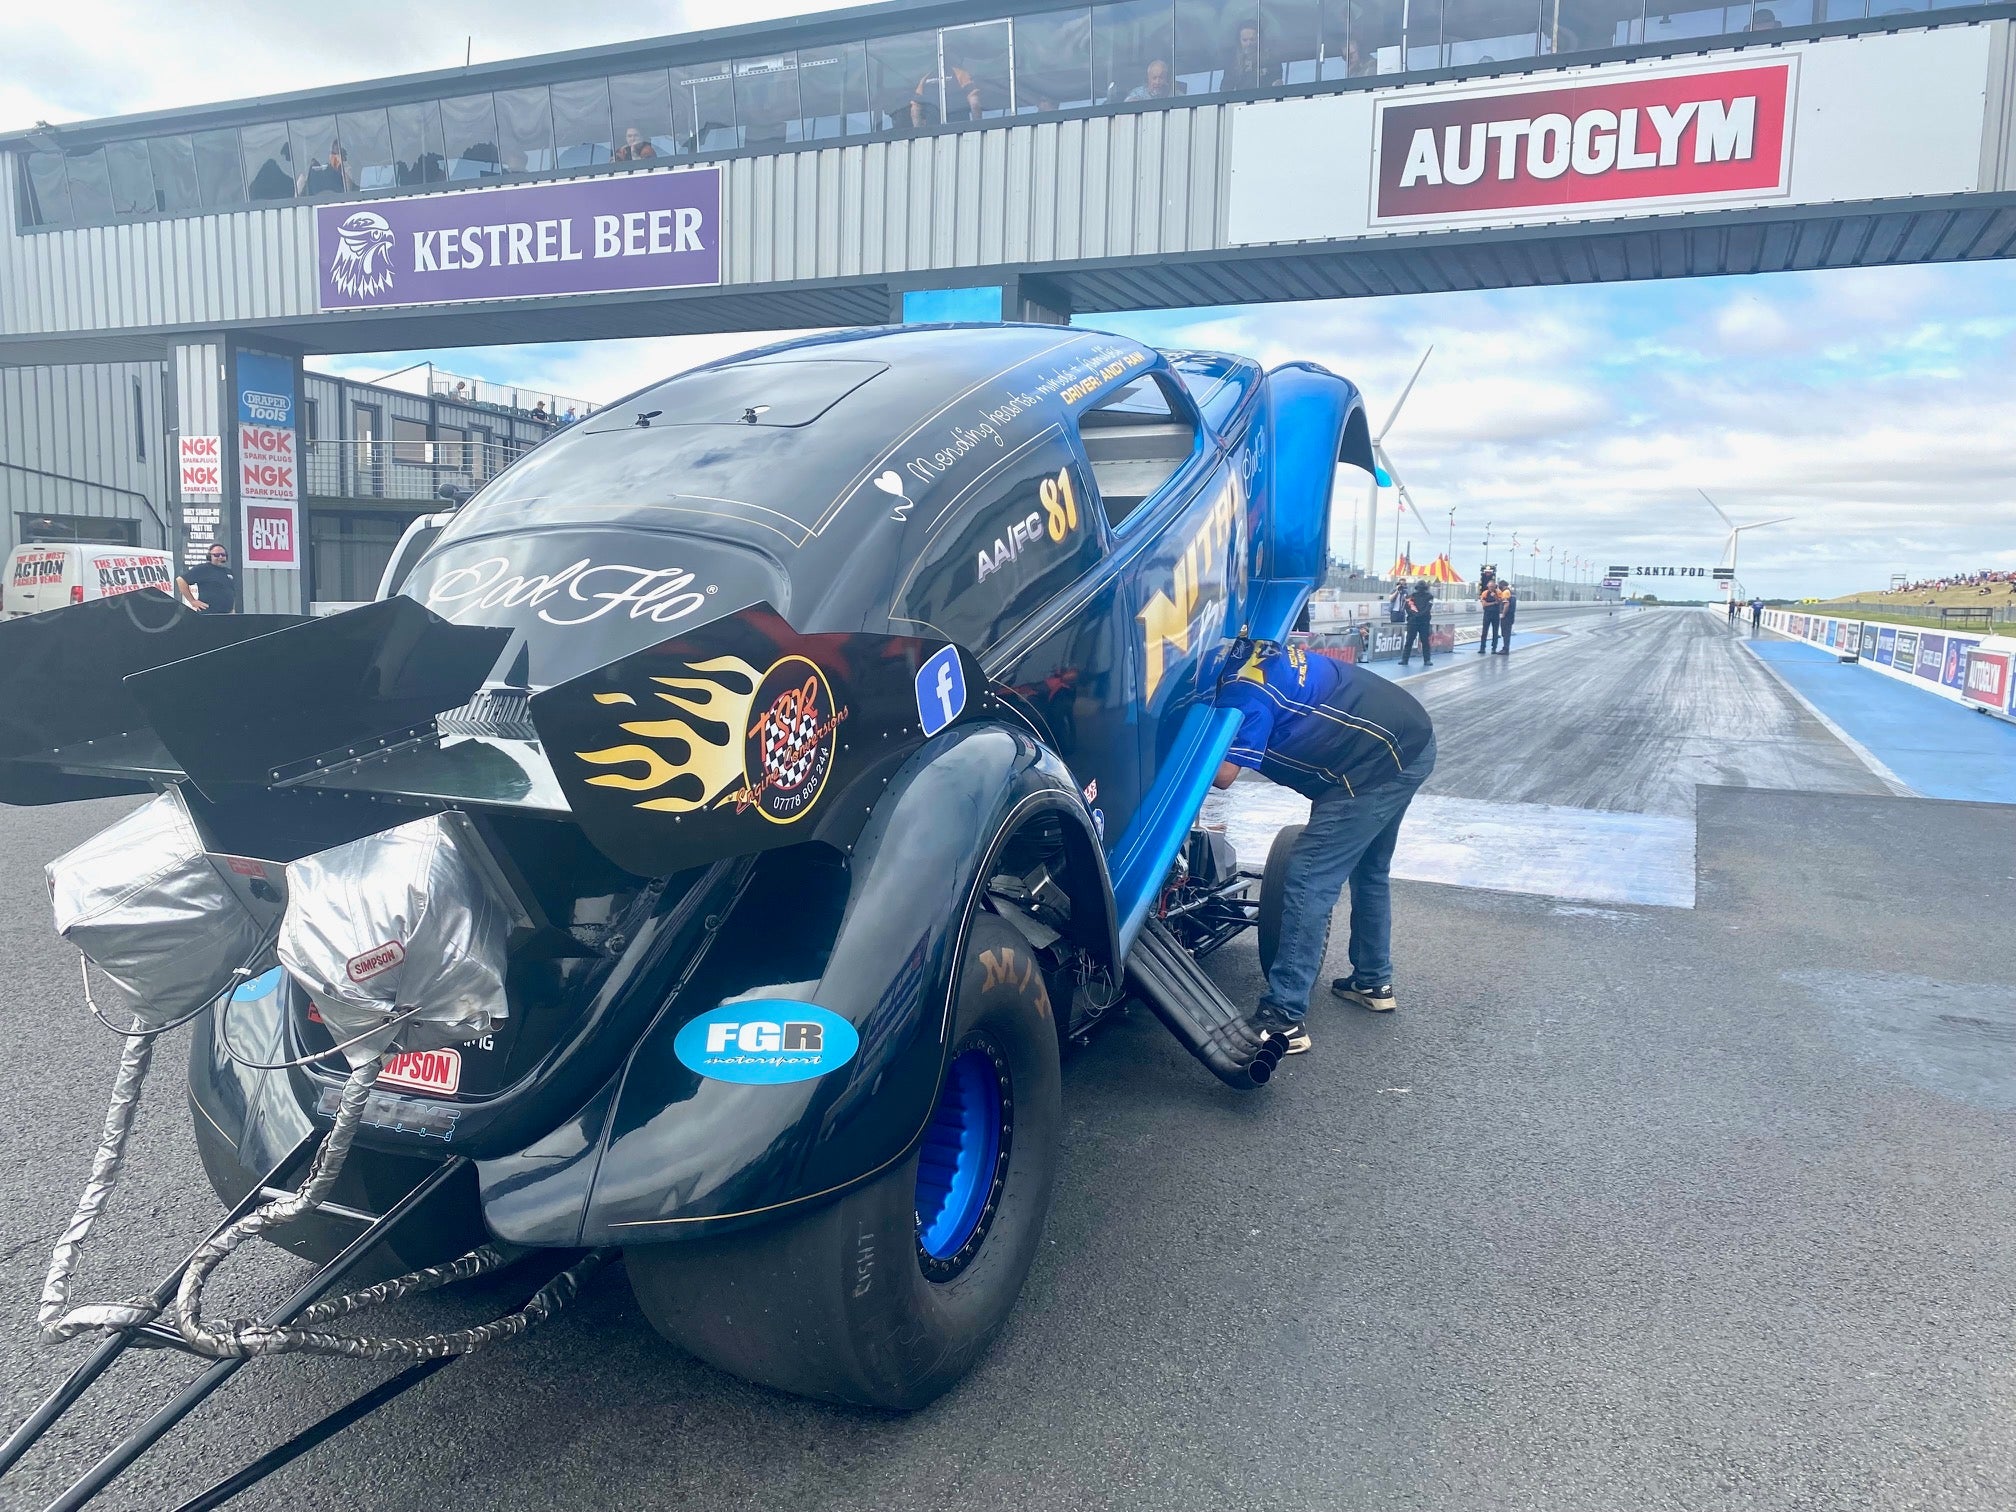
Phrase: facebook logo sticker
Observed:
(941, 690)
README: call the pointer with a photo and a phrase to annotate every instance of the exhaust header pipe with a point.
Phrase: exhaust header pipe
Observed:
(1161, 973)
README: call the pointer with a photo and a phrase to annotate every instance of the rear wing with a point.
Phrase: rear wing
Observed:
(737, 736)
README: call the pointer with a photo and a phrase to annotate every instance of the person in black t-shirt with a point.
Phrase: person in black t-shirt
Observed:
(210, 587)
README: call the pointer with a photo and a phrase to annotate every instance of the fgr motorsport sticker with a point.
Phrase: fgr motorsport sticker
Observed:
(766, 1041)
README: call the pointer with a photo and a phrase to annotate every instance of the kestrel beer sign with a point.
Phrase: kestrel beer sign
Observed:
(1682, 135)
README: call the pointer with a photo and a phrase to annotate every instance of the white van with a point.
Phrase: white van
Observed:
(50, 574)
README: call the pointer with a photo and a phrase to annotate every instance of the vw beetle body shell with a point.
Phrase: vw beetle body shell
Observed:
(899, 484)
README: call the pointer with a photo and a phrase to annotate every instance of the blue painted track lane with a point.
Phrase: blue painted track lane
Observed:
(1937, 747)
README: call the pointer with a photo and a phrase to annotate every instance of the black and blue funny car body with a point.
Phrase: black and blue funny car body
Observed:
(826, 723)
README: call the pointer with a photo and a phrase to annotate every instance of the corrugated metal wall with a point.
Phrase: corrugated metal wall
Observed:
(1106, 186)
(199, 388)
(91, 423)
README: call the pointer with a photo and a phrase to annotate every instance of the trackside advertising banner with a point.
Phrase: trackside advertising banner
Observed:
(1832, 120)
(269, 491)
(1976, 670)
(1671, 136)
(655, 230)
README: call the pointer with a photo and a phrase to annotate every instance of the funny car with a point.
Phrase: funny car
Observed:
(748, 793)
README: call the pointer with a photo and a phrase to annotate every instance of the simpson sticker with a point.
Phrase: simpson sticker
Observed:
(376, 961)
(766, 1042)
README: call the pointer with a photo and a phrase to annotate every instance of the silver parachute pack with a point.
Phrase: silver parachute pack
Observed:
(398, 938)
(143, 903)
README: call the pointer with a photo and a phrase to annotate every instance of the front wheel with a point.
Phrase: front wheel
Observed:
(886, 1296)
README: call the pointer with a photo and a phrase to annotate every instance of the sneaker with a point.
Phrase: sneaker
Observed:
(1268, 1021)
(1373, 999)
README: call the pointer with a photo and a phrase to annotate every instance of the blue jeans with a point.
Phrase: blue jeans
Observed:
(1349, 839)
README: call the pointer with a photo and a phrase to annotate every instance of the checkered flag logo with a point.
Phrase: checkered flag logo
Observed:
(791, 740)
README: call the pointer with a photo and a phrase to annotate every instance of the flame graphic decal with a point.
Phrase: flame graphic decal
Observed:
(700, 750)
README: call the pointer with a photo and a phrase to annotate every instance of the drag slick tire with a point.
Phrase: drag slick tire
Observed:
(1273, 884)
(887, 1295)
(1273, 887)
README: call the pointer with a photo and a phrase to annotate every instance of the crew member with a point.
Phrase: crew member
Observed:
(1358, 747)
(1756, 612)
(1420, 611)
(1492, 601)
(1732, 608)
(1508, 610)
(210, 587)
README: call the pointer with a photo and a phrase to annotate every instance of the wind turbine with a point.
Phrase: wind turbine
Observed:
(1735, 537)
(1386, 473)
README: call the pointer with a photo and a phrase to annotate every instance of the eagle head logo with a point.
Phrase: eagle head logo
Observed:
(362, 267)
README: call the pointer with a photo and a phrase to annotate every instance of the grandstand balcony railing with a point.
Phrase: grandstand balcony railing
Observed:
(608, 110)
(404, 471)
(526, 403)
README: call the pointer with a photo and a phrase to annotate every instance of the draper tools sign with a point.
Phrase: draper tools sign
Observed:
(1716, 132)
(592, 236)
(268, 479)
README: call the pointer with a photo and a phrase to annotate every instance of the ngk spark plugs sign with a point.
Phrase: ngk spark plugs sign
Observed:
(1719, 133)
(268, 482)
(202, 466)
(655, 230)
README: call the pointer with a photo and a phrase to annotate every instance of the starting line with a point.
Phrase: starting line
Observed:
(1541, 849)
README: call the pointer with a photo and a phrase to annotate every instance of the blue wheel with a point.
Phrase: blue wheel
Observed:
(964, 1159)
(887, 1294)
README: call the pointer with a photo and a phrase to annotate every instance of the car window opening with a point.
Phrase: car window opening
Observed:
(1136, 440)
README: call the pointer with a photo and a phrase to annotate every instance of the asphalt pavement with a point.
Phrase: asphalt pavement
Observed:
(1626, 1208)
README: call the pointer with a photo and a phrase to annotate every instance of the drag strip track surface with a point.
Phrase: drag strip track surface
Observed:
(1628, 713)
(1627, 1209)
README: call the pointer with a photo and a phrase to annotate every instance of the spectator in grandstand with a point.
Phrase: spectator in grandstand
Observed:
(1246, 69)
(636, 147)
(275, 178)
(1156, 83)
(1763, 20)
(332, 177)
(1508, 610)
(540, 414)
(1356, 64)
(570, 417)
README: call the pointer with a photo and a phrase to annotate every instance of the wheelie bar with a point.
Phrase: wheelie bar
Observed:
(1162, 974)
(414, 1207)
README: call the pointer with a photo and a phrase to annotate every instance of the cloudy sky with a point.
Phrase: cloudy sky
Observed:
(1873, 406)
